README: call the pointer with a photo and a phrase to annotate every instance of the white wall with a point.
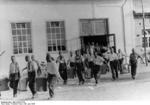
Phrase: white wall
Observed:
(38, 13)
(115, 21)
(139, 22)
(129, 26)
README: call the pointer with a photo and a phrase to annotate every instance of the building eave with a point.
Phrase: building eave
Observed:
(140, 15)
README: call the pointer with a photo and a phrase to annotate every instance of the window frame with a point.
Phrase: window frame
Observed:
(92, 22)
(12, 41)
(57, 20)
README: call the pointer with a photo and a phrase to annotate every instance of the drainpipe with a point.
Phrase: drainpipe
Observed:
(123, 21)
(143, 18)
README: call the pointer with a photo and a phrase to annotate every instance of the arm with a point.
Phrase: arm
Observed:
(52, 58)
(9, 69)
(130, 60)
(2, 53)
(57, 60)
(68, 61)
(24, 69)
(18, 67)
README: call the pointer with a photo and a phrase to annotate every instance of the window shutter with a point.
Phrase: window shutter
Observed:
(99, 27)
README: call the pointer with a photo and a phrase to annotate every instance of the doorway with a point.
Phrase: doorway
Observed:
(107, 40)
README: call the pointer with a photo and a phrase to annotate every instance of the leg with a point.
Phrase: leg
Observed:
(121, 61)
(116, 72)
(96, 69)
(32, 82)
(74, 72)
(116, 65)
(51, 85)
(133, 71)
(112, 69)
(91, 67)
(79, 74)
(65, 76)
(62, 72)
(119, 65)
(15, 87)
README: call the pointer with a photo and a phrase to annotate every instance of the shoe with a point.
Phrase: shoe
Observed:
(133, 77)
(80, 83)
(83, 82)
(15, 95)
(65, 83)
(35, 96)
(96, 83)
(113, 79)
(51, 97)
(32, 97)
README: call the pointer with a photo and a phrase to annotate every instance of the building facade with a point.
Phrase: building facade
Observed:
(37, 27)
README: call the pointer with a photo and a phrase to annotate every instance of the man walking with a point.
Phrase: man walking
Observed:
(62, 67)
(113, 64)
(52, 75)
(14, 75)
(133, 63)
(98, 62)
(31, 75)
(79, 67)
(120, 60)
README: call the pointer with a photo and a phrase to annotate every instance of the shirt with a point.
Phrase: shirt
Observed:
(133, 58)
(78, 59)
(90, 57)
(14, 68)
(60, 60)
(98, 60)
(106, 55)
(112, 56)
(31, 66)
(120, 55)
(71, 59)
(51, 68)
(92, 49)
(35, 65)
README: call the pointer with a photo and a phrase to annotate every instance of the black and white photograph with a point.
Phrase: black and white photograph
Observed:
(74, 50)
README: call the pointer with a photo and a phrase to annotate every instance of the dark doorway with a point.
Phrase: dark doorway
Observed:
(101, 40)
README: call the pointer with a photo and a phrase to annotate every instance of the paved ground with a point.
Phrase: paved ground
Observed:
(123, 89)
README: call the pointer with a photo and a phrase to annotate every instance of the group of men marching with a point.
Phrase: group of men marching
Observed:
(92, 59)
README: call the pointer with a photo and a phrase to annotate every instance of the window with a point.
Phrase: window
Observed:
(56, 36)
(93, 27)
(85, 27)
(146, 39)
(21, 34)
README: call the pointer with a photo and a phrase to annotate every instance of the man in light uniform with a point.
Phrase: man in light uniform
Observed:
(113, 64)
(98, 62)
